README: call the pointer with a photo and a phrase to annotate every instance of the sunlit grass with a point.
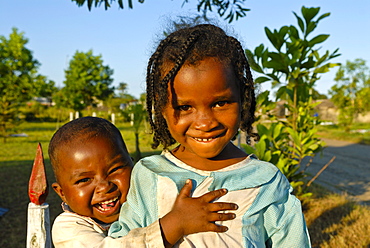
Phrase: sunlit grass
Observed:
(335, 221)
(338, 133)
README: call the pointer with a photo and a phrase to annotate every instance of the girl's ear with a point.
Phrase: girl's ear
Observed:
(58, 189)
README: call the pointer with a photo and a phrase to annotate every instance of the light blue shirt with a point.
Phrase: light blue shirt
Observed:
(268, 215)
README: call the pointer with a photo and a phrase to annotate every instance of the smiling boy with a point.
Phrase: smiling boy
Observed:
(92, 168)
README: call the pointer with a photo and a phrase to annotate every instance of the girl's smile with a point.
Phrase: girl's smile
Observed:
(203, 113)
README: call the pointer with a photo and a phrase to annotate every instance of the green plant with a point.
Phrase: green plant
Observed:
(294, 67)
(286, 145)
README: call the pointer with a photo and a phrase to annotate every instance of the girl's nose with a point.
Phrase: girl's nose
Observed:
(205, 121)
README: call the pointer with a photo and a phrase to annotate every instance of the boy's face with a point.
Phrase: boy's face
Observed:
(94, 178)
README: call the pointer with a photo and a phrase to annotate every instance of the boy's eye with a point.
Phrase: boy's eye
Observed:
(116, 169)
(83, 180)
(184, 107)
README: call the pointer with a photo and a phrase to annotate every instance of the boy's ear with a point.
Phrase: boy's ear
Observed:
(58, 189)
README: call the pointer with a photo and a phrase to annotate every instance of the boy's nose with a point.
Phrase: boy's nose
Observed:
(104, 186)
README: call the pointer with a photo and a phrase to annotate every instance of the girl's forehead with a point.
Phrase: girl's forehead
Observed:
(167, 66)
(209, 77)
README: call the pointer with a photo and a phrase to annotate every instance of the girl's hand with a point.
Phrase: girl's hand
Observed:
(192, 215)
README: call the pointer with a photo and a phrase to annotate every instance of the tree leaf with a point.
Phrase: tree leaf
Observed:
(300, 22)
(252, 63)
(318, 39)
(309, 13)
(261, 79)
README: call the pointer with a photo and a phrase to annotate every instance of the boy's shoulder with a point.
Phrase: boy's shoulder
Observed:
(71, 220)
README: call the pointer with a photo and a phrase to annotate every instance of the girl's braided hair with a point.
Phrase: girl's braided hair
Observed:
(190, 46)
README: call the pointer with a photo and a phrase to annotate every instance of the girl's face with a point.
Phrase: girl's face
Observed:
(203, 111)
(94, 178)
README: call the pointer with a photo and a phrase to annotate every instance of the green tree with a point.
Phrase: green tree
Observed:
(44, 87)
(122, 89)
(352, 91)
(18, 78)
(87, 82)
(136, 114)
(293, 66)
(227, 9)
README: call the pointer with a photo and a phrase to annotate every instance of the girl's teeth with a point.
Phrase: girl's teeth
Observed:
(204, 140)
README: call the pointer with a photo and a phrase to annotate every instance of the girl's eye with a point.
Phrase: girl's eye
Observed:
(83, 180)
(221, 103)
(184, 107)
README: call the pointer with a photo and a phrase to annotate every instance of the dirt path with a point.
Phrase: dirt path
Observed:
(349, 172)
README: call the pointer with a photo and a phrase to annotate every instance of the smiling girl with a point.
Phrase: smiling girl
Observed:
(200, 92)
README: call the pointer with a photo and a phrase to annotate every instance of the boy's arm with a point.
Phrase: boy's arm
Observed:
(192, 215)
(70, 230)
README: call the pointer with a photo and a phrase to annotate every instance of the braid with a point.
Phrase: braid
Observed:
(190, 46)
(158, 101)
(247, 90)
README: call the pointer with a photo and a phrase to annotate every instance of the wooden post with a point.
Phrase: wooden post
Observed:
(113, 118)
(38, 222)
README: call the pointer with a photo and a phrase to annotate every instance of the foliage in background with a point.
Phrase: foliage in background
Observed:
(294, 66)
(87, 82)
(19, 80)
(351, 94)
(136, 115)
(229, 9)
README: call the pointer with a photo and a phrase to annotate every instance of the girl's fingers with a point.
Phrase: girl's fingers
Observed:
(210, 196)
(186, 189)
(219, 206)
(221, 216)
(216, 228)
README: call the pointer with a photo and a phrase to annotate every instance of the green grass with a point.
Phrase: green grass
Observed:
(338, 133)
(333, 221)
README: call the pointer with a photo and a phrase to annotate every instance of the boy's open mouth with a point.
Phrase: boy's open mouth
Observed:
(107, 205)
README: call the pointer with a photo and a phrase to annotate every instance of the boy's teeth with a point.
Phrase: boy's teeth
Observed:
(109, 201)
(104, 206)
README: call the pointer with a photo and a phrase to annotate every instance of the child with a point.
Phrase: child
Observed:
(199, 93)
(92, 169)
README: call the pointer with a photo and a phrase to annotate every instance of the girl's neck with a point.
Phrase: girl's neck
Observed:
(230, 155)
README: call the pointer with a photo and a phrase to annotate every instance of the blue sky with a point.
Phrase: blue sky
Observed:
(56, 29)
